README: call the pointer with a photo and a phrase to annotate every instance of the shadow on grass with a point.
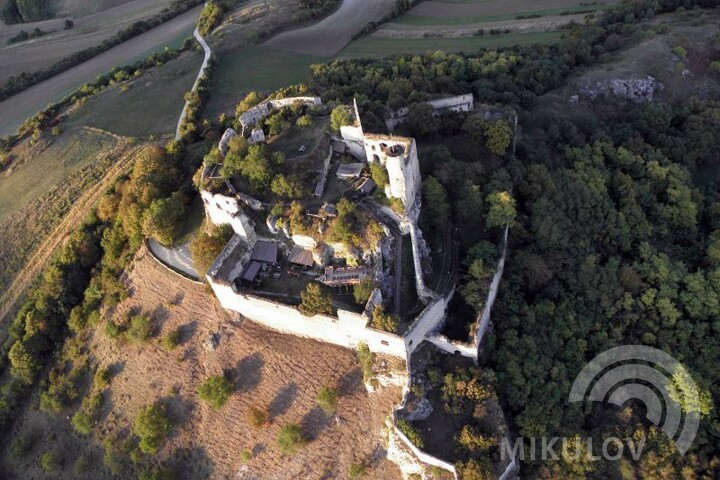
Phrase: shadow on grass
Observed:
(282, 401)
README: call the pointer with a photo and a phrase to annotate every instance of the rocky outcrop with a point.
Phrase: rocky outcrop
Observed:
(634, 89)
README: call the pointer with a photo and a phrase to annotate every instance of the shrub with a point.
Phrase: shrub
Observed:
(340, 117)
(473, 441)
(357, 470)
(171, 340)
(215, 390)
(304, 121)
(291, 439)
(82, 422)
(363, 290)
(49, 461)
(411, 433)
(112, 330)
(245, 456)
(327, 399)
(315, 301)
(21, 446)
(366, 358)
(82, 464)
(140, 329)
(256, 416)
(152, 425)
(475, 469)
(384, 321)
(102, 377)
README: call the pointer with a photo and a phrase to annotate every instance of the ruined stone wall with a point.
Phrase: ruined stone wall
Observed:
(224, 210)
(347, 330)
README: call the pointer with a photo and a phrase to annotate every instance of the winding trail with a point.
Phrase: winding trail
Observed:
(206, 60)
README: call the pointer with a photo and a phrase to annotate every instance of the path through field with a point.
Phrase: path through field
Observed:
(330, 35)
(17, 108)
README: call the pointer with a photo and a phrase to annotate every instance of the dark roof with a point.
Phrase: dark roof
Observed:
(367, 186)
(301, 256)
(251, 271)
(265, 252)
(338, 146)
(349, 170)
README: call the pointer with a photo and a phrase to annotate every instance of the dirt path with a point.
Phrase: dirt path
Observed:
(44, 253)
(17, 108)
(330, 35)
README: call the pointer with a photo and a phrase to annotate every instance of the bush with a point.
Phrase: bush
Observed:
(366, 358)
(363, 290)
(215, 390)
(82, 423)
(475, 469)
(315, 301)
(357, 470)
(245, 456)
(411, 433)
(152, 425)
(21, 446)
(112, 330)
(327, 399)
(291, 439)
(384, 321)
(171, 340)
(102, 377)
(49, 461)
(256, 416)
(82, 464)
(304, 121)
(140, 330)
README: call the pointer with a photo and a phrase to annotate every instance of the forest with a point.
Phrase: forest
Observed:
(616, 239)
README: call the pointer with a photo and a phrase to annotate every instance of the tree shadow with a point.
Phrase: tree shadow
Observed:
(349, 382)
(177, 299)
(191, 463)
(159, 315)
(179, 409)
(314, 422)
(257, 449)
(247, 373)
(282, 401)
(187, 331)
(116, 368)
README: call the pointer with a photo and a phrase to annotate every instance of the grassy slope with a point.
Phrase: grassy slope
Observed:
(257, 68)
(150, 107)
(39, 172)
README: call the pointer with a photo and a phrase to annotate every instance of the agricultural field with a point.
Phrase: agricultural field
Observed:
(127, 113)
(331, 34)
(374, 46)
(279, 373)
(17, 108)
(466, 25)
(260, 68)
(481, 11)
(94, 23)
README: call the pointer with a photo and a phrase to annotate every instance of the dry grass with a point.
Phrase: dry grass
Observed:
(279, 372)
(37, 228)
